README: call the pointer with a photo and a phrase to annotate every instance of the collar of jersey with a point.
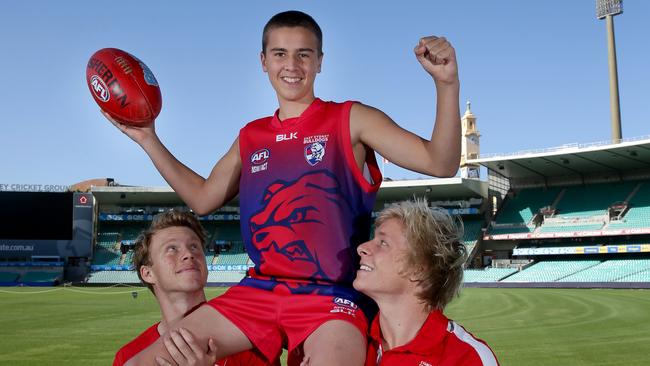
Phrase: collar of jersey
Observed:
(427, 340)
(290, 122)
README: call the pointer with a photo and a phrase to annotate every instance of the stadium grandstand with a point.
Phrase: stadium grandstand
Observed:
(574, 216)
(124, 211)
(120, 213)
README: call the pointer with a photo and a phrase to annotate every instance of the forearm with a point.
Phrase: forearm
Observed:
(444, 146)
(147, 356)
(183, 180)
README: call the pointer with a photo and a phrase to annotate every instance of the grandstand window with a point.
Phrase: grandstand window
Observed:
(498, 186)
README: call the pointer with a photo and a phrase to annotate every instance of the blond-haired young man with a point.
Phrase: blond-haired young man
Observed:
(413, 268)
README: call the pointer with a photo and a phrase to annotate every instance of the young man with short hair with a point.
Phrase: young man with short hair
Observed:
(307, 180)
(170, 261)
(413, 268)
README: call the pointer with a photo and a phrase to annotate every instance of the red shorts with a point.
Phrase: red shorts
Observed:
(271, 319)
(251, 357)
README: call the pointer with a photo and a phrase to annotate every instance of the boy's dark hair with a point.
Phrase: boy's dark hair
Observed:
(293, 18)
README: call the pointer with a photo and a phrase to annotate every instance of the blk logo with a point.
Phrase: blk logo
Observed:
(286, 136)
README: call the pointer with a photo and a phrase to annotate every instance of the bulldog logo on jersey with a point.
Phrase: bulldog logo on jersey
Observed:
(293, 216)
(315, 152)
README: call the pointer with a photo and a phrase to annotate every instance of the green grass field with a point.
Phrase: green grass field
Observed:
(85, 326)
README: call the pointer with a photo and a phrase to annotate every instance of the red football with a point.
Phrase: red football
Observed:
(123, 86)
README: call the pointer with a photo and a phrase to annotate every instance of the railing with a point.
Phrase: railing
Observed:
(568, 147)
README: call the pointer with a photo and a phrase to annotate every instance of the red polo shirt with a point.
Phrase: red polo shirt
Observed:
(149, 336)
(144, 340)
(440, 342)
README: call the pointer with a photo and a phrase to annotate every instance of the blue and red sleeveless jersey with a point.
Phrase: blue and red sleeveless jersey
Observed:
(305, 205)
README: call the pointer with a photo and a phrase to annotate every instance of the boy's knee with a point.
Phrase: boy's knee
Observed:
(336, 342)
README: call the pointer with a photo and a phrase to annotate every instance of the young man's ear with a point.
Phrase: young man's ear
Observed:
(415, 274)
(320, 62)
(263, 61)
(147, 275)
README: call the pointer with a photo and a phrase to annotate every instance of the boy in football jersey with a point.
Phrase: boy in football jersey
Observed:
(169, 259)
(412, 268)
(307, 180)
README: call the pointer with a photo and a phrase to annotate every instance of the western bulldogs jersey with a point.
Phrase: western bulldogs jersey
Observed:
(305, 205)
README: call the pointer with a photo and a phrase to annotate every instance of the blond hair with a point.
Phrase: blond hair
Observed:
(436, 253)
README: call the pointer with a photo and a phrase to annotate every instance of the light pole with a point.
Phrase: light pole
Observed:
(607, 9)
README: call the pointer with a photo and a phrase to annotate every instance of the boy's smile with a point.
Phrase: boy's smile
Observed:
(292, 61)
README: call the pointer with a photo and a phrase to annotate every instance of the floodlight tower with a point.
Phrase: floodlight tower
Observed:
(607, 9)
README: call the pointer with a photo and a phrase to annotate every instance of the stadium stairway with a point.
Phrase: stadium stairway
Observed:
(550, 271)
(488, 274)
(640, 276)
(609, 271)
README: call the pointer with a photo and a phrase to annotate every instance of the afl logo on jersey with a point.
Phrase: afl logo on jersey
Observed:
(315, 152)
(345, 302)
(259, 160)
(260, 156)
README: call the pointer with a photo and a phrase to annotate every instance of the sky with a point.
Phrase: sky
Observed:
(536, 74)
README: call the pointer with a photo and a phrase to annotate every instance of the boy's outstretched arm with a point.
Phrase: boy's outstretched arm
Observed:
(200, 194)
(439, 156)
(204, 323)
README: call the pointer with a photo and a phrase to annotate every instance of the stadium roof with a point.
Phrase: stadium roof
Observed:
(434, 189)
(572, 160)
(390, 191)
(126, 195)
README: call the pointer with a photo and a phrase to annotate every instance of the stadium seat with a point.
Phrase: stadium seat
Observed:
(42, 276)
(225, 276)
(235, 256)
(472, 232)
(551, 271)
(8, 276)
(114, 277)
(487, 275)
(610, 271)
(592, 200)
(638, 213)
(521, 207)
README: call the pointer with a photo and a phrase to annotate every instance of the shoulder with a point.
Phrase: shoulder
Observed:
(258, 122)
(149, 336)
(472, 350)
(358, 107)
(363, 114)
(334, 108)
(367, 121)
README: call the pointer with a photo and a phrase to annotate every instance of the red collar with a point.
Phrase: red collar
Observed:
(427, 340)
(290, 122)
